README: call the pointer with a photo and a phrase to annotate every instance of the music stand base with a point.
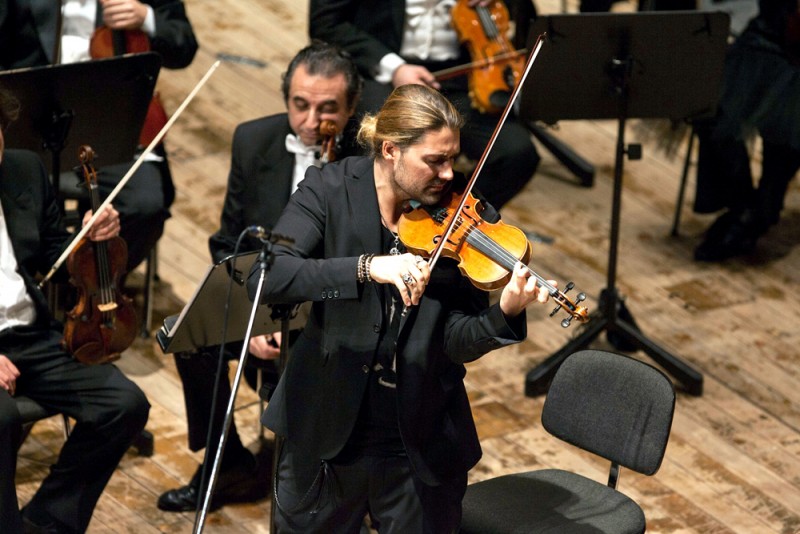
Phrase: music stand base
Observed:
(537, 380)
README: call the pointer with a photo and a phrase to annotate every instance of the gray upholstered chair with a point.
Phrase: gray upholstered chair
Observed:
(611, 405)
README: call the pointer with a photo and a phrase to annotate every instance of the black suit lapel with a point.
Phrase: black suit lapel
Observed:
(274, 169)
(47, 21)
(363, 206)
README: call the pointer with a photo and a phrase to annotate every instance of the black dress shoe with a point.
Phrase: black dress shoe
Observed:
(732, 234)
(247, 482)
(31, 525)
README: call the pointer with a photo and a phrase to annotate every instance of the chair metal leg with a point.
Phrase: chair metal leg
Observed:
(149, 282)
(682, 189)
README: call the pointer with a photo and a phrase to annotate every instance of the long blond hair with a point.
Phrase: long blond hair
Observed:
(410, 112)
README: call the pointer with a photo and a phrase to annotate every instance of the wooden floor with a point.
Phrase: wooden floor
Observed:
(733, 462)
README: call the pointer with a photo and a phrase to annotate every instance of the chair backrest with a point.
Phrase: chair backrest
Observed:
(613, 406)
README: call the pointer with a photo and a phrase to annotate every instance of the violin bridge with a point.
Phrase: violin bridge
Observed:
(107, 306)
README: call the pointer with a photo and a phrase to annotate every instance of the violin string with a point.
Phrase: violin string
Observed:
(511, 260)
(488, 25)
(489, 246)
(101, 251)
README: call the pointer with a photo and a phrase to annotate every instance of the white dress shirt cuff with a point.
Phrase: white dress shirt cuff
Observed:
(149, 25)
(384, 72)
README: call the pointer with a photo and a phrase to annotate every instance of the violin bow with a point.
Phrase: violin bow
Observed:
(124, 180)
(479, 166)
(458, 70)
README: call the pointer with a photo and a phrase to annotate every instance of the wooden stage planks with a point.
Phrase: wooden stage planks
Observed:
(733, 463)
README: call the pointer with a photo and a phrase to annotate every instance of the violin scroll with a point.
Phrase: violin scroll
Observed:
(328, 130)
(575, 310)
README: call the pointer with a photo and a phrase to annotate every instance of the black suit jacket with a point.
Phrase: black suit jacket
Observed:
(333, 218)
(370, 29)
(28, 29)
(34, 221)
(259, 183)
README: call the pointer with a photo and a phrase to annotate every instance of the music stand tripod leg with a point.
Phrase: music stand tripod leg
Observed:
(689, 377)
(537, 380)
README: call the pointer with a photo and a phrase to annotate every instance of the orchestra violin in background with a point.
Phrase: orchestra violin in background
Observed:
(496, 66)
(103, 322)
(328, 132)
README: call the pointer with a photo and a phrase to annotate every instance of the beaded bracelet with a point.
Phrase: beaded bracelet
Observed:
(367, 264)
(362, 270)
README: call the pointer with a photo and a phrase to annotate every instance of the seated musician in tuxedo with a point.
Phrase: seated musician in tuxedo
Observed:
(760, 95)
(109, 410)
(407, 41)
(269, 158)
(45, 32)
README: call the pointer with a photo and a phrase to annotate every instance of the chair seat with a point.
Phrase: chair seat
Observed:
(31, 411)
(551, 501)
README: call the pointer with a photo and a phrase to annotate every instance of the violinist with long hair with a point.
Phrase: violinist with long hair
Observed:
(36, 33)
(269, 157)
(372, 407)
(408, 41)
(109, 409)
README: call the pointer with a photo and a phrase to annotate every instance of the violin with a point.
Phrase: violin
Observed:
(103, 322)
(328, 132)
(106, 42)
(486, 252)
(496, 67)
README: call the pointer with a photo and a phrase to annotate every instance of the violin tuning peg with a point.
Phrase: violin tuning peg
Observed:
(570, 285)
(555, 310)
(581, 297)
(565, 322)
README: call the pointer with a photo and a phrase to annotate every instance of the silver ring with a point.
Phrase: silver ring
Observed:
(407, 279)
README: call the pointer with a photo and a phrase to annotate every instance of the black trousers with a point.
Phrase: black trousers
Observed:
(198, 372)
(724, 179)
(315, 496)
(109, 410)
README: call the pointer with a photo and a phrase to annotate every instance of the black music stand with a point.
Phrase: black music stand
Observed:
(198, 324)
(620, 66)
(101, 103)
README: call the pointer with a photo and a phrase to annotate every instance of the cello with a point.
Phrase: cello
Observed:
(103, 322)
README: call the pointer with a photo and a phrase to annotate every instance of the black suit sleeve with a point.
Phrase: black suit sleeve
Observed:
(232, 220)
(342, 22)
(174, 39)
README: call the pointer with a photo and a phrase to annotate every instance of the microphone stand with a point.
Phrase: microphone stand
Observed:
(284, 313)
(265, 260)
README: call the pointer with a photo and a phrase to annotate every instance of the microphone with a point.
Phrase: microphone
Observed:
(264, 235)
